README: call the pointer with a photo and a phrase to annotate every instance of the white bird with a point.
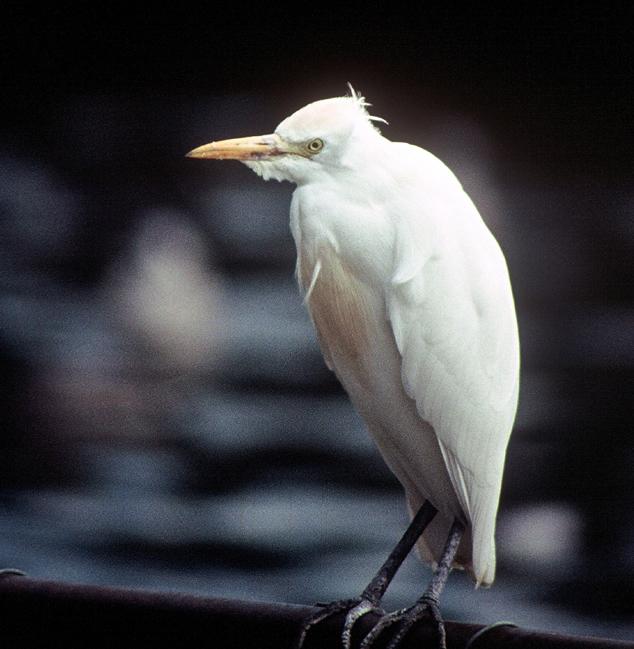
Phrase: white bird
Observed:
(410, 296)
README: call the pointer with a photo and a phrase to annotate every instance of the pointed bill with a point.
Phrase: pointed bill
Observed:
(255, 147)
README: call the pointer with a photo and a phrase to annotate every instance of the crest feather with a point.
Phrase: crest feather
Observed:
(363, 104)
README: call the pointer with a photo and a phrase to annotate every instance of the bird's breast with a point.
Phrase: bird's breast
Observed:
(340, 304)
(343, 258)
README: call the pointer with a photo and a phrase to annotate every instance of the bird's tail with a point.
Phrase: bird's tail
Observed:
(478, 559)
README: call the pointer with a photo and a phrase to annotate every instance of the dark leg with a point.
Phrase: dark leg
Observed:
(377, 587)
(427, 604)
(371, 596)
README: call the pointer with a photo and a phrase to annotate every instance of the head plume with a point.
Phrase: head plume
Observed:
(363, 104)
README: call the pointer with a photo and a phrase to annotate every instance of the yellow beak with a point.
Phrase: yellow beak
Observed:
(243, 148)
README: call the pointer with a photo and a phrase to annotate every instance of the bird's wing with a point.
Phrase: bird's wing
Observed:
(451, 309)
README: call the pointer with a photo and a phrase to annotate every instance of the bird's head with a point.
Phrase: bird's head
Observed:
(319, 138)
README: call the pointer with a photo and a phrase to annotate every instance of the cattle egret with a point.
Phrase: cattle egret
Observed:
(411, 300)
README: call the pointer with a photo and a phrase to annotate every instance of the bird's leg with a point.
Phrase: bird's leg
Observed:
(427, 605)
(373, 593)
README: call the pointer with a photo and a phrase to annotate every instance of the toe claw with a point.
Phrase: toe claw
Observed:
(405, 625)
(327, 611)
(354, 614)
(385, 622)
(405, 619)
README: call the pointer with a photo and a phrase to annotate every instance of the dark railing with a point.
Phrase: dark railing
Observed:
(51, 614)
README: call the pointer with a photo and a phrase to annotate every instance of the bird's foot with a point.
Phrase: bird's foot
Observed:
(356, 608)
(406, 618)
(363, 607)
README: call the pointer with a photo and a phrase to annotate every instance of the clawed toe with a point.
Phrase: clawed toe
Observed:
(364, 607)
(327, 610)
(406, 618)
(385, 622)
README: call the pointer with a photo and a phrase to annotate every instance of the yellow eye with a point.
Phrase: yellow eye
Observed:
(315, 146)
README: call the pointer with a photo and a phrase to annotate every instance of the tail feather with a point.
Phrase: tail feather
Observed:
(432, 542)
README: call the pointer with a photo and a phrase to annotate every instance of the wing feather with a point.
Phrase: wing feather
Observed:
(451, 309)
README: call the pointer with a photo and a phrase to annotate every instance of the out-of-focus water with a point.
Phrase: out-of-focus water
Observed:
(169, 422)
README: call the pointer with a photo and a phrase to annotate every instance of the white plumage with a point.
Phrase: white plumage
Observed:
(411, 300)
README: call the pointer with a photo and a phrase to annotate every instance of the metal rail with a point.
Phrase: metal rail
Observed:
(51, 614)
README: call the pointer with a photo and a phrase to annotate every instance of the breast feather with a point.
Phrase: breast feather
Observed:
(338, 306)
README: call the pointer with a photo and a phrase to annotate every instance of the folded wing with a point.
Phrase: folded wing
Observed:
(451, 309)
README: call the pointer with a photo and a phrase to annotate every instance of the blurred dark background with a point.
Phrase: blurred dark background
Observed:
(167, 420)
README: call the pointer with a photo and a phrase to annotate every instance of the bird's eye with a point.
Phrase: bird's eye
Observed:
(315, 146)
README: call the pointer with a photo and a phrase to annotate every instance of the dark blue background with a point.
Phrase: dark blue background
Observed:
(167, 419)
